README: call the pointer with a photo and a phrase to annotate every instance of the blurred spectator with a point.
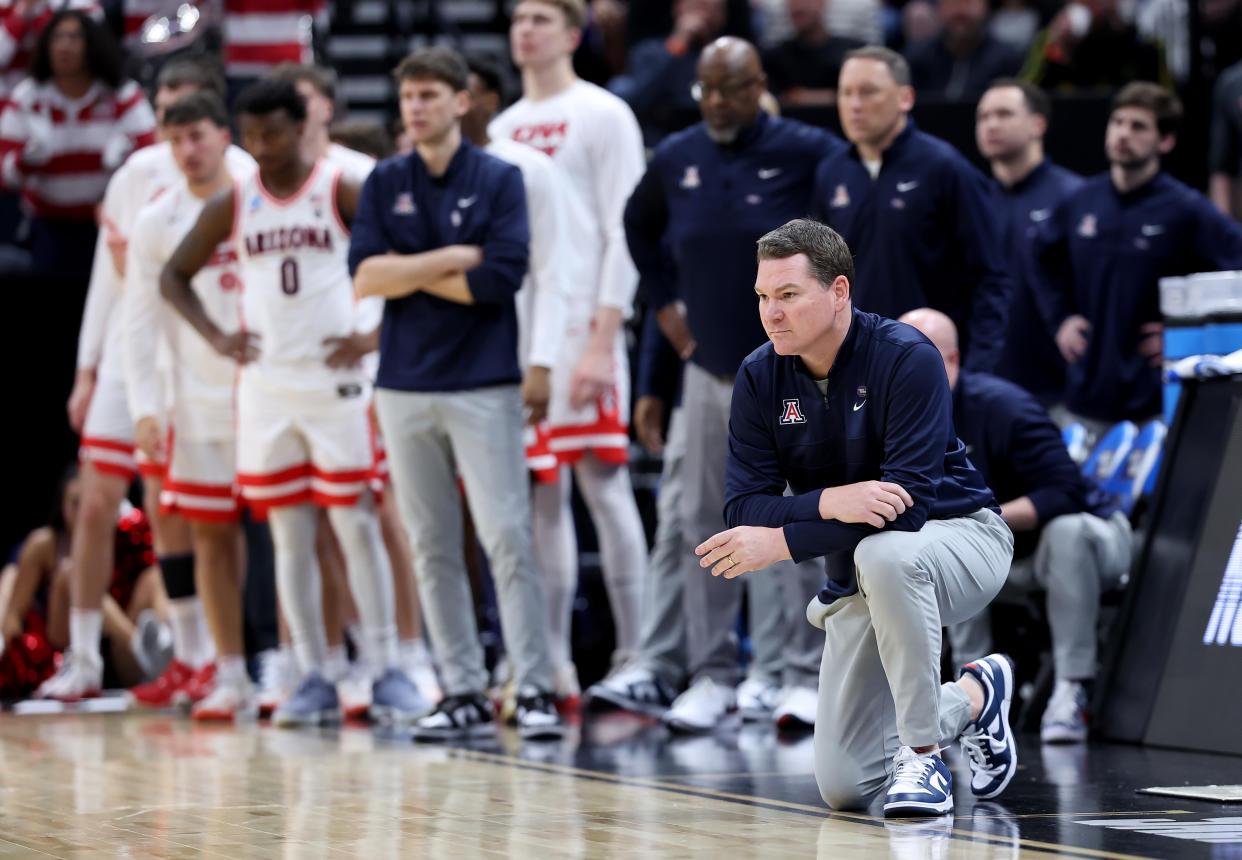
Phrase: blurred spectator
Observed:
(803, 70)
(21, 22)
(919, 22)
(1167, 23)
(261, 34)
(961, 61)
(850, 19)
(1010, 124)
(651, 19)
(1015, 23)
(1103, 252)
(662, 69)
(1089, 46)
(919, 218)
(66, 128)
(1225, 150)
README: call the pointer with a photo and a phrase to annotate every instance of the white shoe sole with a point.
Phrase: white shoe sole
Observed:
(552, 732)
(915, 808)
(390, 716)
(317, 718)
(620, 700)
(480, 730)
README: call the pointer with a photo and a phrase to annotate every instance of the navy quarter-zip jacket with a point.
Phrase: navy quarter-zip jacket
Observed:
(693, 220)
(428, 343)
(887, 416)
(1031, 358)
(923, 234)
(1103, 254)
(1017, 449)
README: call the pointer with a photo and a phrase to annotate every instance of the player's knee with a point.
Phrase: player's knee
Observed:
(1063, 530)
(840, 793)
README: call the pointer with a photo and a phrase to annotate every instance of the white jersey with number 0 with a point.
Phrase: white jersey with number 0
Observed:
(296, 286)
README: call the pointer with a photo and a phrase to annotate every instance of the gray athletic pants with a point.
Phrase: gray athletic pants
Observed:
(662, 642)
(1078, 557)
(879, 682)
(786, 652)
(431, 438)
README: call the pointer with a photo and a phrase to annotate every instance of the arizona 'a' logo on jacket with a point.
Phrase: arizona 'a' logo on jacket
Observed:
(791, 413)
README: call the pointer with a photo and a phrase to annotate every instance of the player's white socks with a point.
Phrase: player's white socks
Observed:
(336, 666)
(192, 642)
(556, 554)
(297, 582)
(86, 631)
(609, 496)
(370, 581)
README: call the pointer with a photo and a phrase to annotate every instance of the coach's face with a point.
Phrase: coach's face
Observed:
(1004, 124)
(1133, 139)
(430, 109)
(870, 100)
(796, 310)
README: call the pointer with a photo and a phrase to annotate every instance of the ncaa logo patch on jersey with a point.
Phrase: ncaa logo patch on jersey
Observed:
(791, 412)
(255, 202)
(841, 198)
(1086, 227)
(404, 204)
(691, 177)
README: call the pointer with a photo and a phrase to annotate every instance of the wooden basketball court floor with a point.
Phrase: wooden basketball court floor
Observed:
(155, 785)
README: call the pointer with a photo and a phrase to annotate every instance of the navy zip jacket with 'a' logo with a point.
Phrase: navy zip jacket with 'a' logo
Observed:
(924, 233)
(887, 415)
(1103, 254)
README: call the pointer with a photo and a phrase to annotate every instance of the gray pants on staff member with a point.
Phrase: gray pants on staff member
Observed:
(879, 680)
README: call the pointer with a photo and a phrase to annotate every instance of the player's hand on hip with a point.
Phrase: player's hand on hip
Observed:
(241, 346)
(347, 351)
(592, 378)
(649, 423)
(149, 437)
(536, 392)
(1072, 338)
(872, 502)
(742, 550)
(80, 399)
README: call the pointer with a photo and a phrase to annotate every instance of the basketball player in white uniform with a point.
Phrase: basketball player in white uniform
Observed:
(200, 480)
(594, 139)
(99, 410)
(303, 431)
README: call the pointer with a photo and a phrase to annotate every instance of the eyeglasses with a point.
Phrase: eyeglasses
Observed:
(700, 90)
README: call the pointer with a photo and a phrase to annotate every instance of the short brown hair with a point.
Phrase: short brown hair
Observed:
(366, 137)
(1163, 103)
(202, 104)
(896, 63)
(575, 11)
(437, 63)
(321, 78)
(191, 72)
(827, 254)
(1037, 100)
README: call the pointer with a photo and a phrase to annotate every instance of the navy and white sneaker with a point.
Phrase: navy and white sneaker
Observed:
(988, 742)
(466, 715)
(537, 719)
(634, 689)
(313, 703)
(395, 700)
(922, 785)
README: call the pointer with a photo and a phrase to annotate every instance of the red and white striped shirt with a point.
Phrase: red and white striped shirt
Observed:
(73, 178)
(18, 35)
(261, 34)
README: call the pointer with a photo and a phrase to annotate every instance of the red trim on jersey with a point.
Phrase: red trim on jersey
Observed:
(608, 424)
(219, 491)
(105, 467)
(336, 209)
(295, 196)
(201, 516)
(152, 469)
(269, 479)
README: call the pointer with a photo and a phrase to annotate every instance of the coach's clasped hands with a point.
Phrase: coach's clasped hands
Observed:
(742, 550)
